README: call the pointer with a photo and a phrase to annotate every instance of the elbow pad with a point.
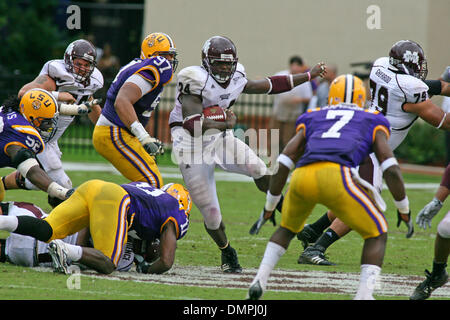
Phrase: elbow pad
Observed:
(435, 87)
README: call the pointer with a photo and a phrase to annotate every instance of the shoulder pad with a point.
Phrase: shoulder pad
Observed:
(193, 76)
(412, 87)
(97, 76)
(382, 62)
(240, 68)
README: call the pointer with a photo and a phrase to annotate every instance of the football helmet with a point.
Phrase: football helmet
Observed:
(219, 58)
(180, 193)
(408, 57)
(347, 88)
(159, 44)
(40, 108)
(80, 49)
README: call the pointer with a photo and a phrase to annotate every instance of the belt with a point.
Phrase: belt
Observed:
(175, 124)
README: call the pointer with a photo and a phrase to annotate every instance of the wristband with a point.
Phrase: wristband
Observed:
(286, 161)
(442, 121)
(57, 191)
(55, 94)
(271, 201)
(309, 76)
(139, 131)
(402, 205)
(389, 162)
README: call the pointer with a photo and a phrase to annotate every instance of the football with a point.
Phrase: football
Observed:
(215, 113)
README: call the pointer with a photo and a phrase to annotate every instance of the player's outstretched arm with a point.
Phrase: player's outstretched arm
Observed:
(279, 84)
(431, 113)
(42, 81)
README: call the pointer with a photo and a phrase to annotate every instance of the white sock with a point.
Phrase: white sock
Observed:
(368, 279)
(272, 254)
(8, 223)
(74, 252)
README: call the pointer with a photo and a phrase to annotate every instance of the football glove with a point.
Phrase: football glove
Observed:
(406, 218)
(78, 109)
(141, 264)
(428, 212)
(153, 146)
(263, 218)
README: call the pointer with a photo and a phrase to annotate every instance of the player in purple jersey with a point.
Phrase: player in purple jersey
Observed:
(23, 123)
(112, 213)
(329, 144)
(121, 134)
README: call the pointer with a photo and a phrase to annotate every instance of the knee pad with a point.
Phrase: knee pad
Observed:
(212, 218)
(444, 227)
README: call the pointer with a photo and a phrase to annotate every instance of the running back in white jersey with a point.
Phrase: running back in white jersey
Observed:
(65, 82)
(389, 92)
(195, 80)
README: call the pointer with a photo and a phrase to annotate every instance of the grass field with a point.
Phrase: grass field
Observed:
(198, 258)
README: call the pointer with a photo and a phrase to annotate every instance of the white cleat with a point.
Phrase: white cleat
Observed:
(58, 252)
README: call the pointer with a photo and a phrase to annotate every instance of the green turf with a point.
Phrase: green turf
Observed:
(240, 204)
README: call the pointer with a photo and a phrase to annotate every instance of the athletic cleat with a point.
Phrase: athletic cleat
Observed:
(307, 236)
(58, 252)
(314, 255)
(230, 262)
(255, 291)
(424, 290)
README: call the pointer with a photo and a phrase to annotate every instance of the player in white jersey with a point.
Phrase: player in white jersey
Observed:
(73, 79)
(399, 90)
(219, 82)
(26, 251)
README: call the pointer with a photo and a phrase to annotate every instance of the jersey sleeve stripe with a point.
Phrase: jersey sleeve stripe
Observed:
(17, 143)
(28, 130)
(155, 73)
(382, 128)
(174, 221)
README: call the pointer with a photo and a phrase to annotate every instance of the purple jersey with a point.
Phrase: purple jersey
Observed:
(16, 130)
(151, 209)
(156, 70)
(339, 133)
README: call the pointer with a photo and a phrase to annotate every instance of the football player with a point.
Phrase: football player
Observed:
(73, 79)
(329, 144)
(399, 90)
(122, 131)
(438, 276)
(112, 212)
(218, 82)
(26, 251)
(24, 124)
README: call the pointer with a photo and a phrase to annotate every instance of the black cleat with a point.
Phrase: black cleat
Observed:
(314, 255)
(230, 262)
(255, 291)
(308, 236)
(431, 283)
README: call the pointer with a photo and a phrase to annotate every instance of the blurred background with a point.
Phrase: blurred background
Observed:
(347, 34)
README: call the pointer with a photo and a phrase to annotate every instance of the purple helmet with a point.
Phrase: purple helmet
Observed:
(408, 57)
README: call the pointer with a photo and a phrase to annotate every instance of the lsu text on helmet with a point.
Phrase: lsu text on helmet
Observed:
(219, 58)
(180, 193)
(159, 44)
(80, 59)
(347, 88)
(408, 57)
(40, 108)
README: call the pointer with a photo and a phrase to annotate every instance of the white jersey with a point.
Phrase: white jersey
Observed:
(25, 250)
(390, 91)
(196, 80)
(65, 82)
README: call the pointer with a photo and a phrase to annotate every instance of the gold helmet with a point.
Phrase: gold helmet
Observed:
(39, 107)
(180, 193)
(159, 44)
(347, 88)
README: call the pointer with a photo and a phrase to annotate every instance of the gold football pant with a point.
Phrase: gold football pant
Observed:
(331, 185)
(101, 206)
(126, 154)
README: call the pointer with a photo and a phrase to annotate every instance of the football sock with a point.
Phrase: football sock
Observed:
(367, 281)
(8, 223)
(327, 239)
(272, 254)
(74, 252)
(438, 268)
(321, 224)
